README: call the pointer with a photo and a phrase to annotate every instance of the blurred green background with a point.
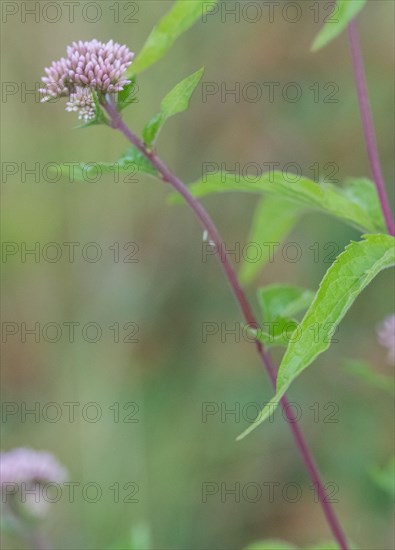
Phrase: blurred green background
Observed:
(169, 293)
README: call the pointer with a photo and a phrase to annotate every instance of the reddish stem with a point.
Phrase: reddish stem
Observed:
(208, 225)
(368, 126)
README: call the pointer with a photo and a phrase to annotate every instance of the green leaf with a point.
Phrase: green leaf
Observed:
(152, 129)
(176, 101)
(274, 218)
(279, 333)
(352, 271)
(327, 198)
(271, 544)
(344, 12)
(368, 375)
(179, 19)
(362, 191)
(385, 477)
(283, 300)
(131, 162)
(279, 303)
(133, 157)
(128, 95)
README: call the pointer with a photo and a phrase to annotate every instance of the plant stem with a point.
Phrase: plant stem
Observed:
(208, 225)
(368, 126)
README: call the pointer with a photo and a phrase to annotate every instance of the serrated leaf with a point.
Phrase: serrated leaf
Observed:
(179, 19)
(273, 219)
(368, 375)
(128, 95)
(279, 303)
(176, 101)
(362, 191)
(344, 12)
(352, 271)
(271, 544)
(326, 198)
(278, 333)
(283, 300)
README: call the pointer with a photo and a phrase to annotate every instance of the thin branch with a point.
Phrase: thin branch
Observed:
(368, 126)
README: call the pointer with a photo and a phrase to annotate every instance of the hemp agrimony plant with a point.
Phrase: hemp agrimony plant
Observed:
(98, 81)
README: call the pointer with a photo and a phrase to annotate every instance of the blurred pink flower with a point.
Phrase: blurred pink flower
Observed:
(386, 336)
(23, 472)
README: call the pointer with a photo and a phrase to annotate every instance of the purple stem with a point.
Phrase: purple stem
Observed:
(368, 126)
(207, 224)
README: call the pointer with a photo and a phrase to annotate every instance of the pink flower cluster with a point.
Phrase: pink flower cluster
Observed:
(88, 66)
(25, 470)
(82, 102)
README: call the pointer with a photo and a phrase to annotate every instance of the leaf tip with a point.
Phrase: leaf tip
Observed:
(316, 45)
(246, 432)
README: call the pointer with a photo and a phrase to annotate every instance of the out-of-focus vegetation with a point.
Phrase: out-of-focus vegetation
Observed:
(171, 373)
